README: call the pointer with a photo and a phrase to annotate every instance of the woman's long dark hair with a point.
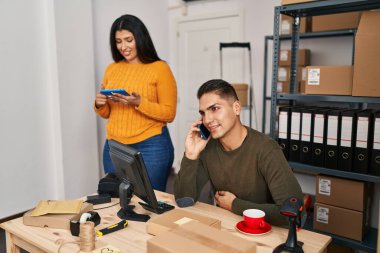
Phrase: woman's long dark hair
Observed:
(144, 44)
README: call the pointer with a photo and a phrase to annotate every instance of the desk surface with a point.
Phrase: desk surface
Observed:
(134, 237)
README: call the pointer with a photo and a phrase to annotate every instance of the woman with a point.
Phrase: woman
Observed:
(138, 120)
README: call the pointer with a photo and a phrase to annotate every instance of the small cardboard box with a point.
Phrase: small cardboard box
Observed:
(175, 218)
(329, 80)
(339, 221)
(367, 55)
(197, 237)
(338, 21)
(54, 220)
(242, 92)
(342, 193)
(285, 2)
(286, 56)
(284, 87)
(286, 24)
(284, 74)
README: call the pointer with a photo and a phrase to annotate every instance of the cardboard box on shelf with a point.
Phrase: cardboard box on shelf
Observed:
(335, 191)
(285, 2)
(329, 80)
(284, 74)
(367, 55)
(286, 24)
(175, 218)
(286, 56)
(54, 220)
(339, 221)
(338, 21)
(242, 92)
(197, 237)
(284, 87)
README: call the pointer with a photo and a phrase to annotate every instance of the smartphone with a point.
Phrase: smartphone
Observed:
(205, 133)
(109, 92)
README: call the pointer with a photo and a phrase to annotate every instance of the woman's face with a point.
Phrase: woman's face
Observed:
(126, 44)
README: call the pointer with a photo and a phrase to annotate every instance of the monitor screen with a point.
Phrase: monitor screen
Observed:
(129, 165)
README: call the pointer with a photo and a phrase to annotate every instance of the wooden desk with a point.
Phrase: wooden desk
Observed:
(133, 238)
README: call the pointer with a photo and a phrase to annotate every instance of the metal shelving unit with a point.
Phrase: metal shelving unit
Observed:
(313, 9)
(309, 35)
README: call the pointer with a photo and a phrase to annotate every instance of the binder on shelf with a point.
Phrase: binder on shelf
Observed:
(307, 129)
(295, 134)
(319, 137)
(363, 143)
(375, 156)
(284, 129)
(347, 139)
(332, 137)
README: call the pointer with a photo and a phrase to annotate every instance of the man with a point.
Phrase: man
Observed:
(246, 168)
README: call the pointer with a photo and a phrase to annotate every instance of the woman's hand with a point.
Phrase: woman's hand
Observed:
(133, 100)
(100, 100)
(194, 144)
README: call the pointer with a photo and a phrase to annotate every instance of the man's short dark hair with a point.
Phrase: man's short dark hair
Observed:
(219, 87)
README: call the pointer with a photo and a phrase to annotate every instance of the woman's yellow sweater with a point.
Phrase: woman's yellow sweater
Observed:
(155, 83)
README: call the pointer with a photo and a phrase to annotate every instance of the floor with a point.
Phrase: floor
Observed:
(205, 197)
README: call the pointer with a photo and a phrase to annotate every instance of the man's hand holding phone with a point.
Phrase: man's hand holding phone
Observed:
(194, 143)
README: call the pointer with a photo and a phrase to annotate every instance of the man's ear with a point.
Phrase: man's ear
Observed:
(237, 107)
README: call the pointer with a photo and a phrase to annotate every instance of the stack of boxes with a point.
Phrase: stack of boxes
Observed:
(341, 207)
(283, 84)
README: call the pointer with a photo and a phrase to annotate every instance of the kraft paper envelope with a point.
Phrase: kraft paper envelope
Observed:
(57, 207)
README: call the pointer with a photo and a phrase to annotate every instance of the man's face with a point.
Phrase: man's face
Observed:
(219, 115)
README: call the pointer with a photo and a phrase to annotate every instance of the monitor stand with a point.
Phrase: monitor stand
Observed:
(126, 212)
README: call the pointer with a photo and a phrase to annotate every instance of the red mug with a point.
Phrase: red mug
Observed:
(254, 218)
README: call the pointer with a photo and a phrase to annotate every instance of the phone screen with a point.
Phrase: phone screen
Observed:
(204, 131)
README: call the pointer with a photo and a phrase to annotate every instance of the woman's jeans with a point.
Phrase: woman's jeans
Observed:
(158, 155)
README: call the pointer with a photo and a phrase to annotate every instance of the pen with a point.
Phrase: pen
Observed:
(122, 224)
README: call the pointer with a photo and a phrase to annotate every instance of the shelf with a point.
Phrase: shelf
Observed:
(327, 98)
(338, 173)
(369, 244)
(328, 7)
(313, 35)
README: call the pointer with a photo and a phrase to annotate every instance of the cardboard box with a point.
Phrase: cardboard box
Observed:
(197, 237)
(367, 55)
(283, 87)
(242, 92)
(286, 56)
(339, 221)
(329, 80)
(342, 193)
(174, 218)
(285, 2)
(338, 21)
(286, 24)
(55, 220)
(284, 74)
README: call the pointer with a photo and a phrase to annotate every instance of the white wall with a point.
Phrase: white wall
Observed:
(48, 137)
(154, 15)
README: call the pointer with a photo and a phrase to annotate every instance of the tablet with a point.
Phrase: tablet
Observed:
(109, 92)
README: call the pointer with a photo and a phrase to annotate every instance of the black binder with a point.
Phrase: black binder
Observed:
(347, 139)
(332, 137)
(284, 129)
(375, 155)
(319, 137)
(295, 134)
(307, 129)
(363, 143)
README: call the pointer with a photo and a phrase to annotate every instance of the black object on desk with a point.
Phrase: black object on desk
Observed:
(291, 208)
(122, 224)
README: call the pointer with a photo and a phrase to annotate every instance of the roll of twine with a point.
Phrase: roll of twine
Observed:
(87, 236)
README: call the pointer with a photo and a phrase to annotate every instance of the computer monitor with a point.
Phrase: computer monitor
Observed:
(130, 167)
